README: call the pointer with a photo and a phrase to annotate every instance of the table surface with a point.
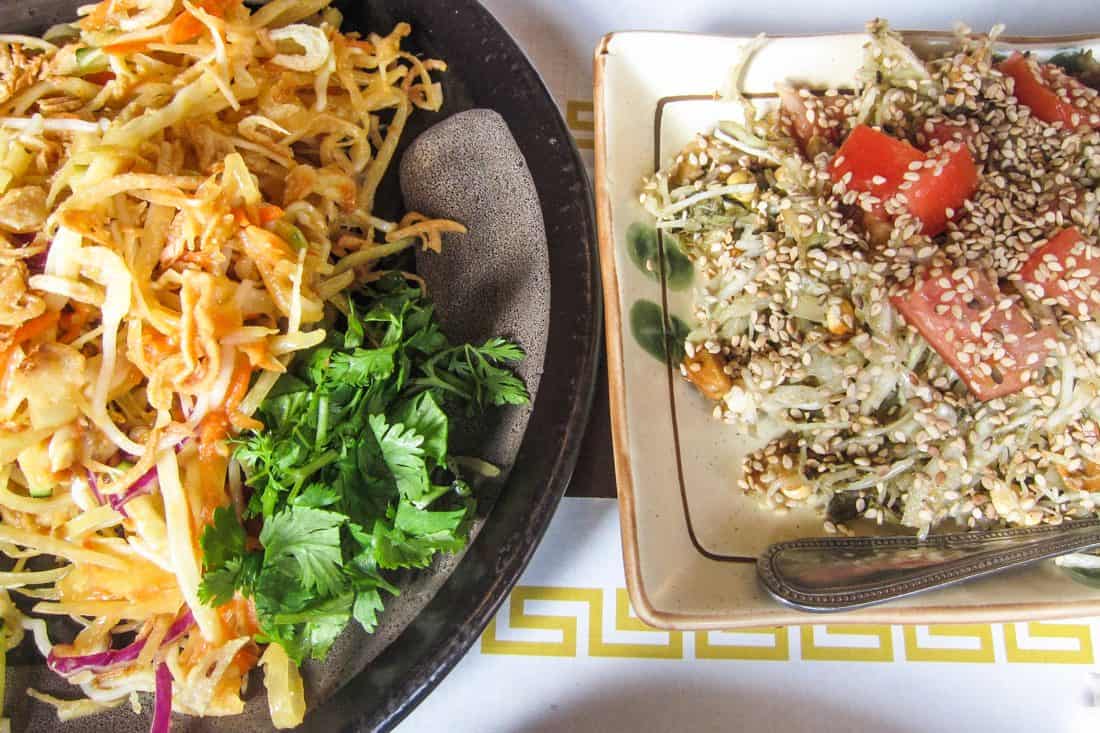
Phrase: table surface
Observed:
(565, 653)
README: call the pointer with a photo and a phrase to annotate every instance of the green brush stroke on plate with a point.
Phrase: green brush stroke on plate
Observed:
(647, 325)
(1084, 576)
(645, 252)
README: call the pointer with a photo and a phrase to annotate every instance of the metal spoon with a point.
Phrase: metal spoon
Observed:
(840, 573)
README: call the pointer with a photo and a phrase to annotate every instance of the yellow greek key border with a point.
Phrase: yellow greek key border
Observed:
(707, 646)
(566, 625)
(1017, 652)
(552, 621)
(839, 651)
(983, 654)
(579, 116)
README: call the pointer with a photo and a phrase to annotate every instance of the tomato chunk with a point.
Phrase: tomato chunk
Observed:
(811, 119)
(1066, 270)
(981, 333)
(1051, 94)
(931, 196)
(877, 162)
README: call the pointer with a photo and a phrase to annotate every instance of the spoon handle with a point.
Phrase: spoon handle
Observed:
(839, 573)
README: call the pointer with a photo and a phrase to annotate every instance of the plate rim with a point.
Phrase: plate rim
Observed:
(646, 610)
(435, 665)
(423, 676)
(417, 677)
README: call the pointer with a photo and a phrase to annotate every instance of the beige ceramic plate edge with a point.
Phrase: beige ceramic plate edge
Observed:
(689, 543)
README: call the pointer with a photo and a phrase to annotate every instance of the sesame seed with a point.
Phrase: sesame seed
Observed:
(779, 281)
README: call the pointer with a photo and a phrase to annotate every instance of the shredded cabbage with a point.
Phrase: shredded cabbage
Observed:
(794, 336)
(286, 698)
(185, 189)
(314, 43)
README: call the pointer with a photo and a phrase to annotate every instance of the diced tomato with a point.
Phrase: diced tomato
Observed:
(1050, 93)
(1004, 330)
(931, 195)
(811, 117)
(1067, 270)
(877, 162)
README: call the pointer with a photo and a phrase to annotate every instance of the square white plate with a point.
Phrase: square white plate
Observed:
(690, 537)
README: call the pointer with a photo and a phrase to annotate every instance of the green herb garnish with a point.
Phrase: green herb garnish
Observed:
(350, 474)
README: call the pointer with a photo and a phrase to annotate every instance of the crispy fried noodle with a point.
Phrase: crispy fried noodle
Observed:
(183, 187)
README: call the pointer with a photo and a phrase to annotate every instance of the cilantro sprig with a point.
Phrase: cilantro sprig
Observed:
(350, 476)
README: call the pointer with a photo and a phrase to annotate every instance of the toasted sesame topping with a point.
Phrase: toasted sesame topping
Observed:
(793, 293)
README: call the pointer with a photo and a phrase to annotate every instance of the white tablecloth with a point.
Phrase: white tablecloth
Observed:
(565, 654)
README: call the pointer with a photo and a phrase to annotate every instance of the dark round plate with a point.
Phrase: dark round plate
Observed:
(487, 69)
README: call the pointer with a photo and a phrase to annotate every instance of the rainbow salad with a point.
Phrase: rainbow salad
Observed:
(226, 401)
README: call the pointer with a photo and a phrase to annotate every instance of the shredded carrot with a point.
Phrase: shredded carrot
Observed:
(193, 649)
(29, 330)
(217, 8)
(213, 428)
(238, 384)
(184, 28)
(213, 461)
(33, 328)
(156, 346)
(98, 17)
(5, 357)
(245, 660)
(127, 48)
(269, 213)
(265, 214)
(239, 615)
(187, 27)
